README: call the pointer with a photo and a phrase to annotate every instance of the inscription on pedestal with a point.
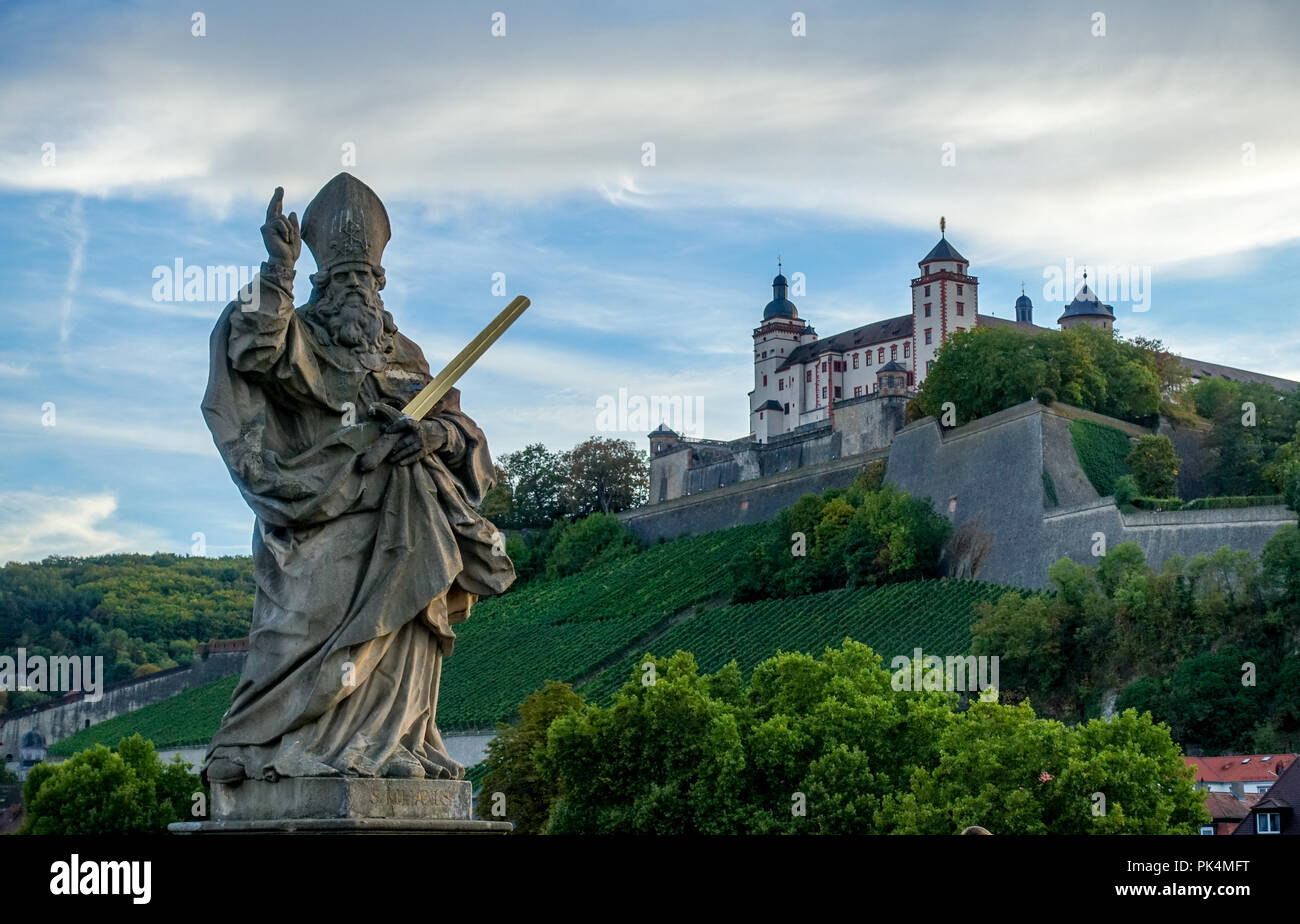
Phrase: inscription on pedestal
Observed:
(328, 798)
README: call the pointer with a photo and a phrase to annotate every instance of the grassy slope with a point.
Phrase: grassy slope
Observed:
(602, 621)
(187, 718)
(1101, 451)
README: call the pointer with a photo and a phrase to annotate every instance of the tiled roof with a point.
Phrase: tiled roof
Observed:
(1224, 806)
(1086, 304)
(988, 320)
(1239, 768)
(943, 251)
(1201, 369)
(858, 337)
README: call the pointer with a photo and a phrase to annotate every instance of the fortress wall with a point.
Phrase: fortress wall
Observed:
(59, 720)
(992, 470)
(1189, 444)
(739, 504)
(667, 474)
(869, 423)
(1161, 535)
(1002, 533)
(1062, 464)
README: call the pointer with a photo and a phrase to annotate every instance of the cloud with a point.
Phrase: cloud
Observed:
(78, 233)
(35, 525)
(86, 426)
(1121, 149)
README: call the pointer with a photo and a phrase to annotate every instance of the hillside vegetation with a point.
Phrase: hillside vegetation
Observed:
(185, 719)
(1101, 451)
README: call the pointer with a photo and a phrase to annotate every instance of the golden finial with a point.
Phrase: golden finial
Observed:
(942, 225)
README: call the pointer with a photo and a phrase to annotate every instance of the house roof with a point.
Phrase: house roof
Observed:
(1240, 768)
(858, 337)
(1282, 797)
(1224, 806)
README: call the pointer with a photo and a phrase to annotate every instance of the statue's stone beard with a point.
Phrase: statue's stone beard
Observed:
(355, 318)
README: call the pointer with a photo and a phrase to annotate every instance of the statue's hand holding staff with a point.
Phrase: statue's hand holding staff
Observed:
(405, 440)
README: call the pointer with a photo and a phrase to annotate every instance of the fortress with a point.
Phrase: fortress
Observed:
(821, 409)
(816, 400)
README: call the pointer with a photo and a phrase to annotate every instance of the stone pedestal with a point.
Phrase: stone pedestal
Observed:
(324, 805)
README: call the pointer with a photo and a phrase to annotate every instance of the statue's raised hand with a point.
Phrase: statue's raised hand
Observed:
(282, 236)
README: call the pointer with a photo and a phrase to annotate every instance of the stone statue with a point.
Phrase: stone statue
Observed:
(363, 565)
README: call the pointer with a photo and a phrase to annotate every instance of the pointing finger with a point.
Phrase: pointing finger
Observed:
(273, 208)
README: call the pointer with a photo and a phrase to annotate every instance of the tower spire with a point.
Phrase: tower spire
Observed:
(943, 224)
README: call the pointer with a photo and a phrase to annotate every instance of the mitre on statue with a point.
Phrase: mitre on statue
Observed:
(346, 224)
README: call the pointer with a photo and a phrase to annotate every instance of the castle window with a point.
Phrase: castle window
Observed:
(780, 384)
(823, 391)
(855, 360)
(961, 308)
(893, 352)
(927, 290)
(959, 292)
(880, 357)
(807, 376)
(838, 392)
(907, 349)
(764, 381)
(928, 339)
(823, 367)
(787, 407)
(928, 364)
(927, 269)
(857, 391)
(927, 309)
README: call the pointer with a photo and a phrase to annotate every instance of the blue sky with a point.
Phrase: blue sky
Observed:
(1168, 143)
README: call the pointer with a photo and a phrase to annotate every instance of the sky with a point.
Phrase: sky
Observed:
(635, 169)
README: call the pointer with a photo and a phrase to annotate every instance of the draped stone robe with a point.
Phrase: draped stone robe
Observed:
(360, 576)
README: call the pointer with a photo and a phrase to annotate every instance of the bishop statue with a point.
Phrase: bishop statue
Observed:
(368, 546)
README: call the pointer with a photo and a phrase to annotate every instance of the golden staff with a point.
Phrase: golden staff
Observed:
(432, 393)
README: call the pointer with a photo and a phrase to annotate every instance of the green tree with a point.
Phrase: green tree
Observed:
(1154, 464)
(828, 745)
(1280, 563)
(512, 758)
(987, 369)
(124, 791)
(597, 538)
(535, 479)
(604, 476)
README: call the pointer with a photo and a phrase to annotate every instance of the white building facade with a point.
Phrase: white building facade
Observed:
(798, 377)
